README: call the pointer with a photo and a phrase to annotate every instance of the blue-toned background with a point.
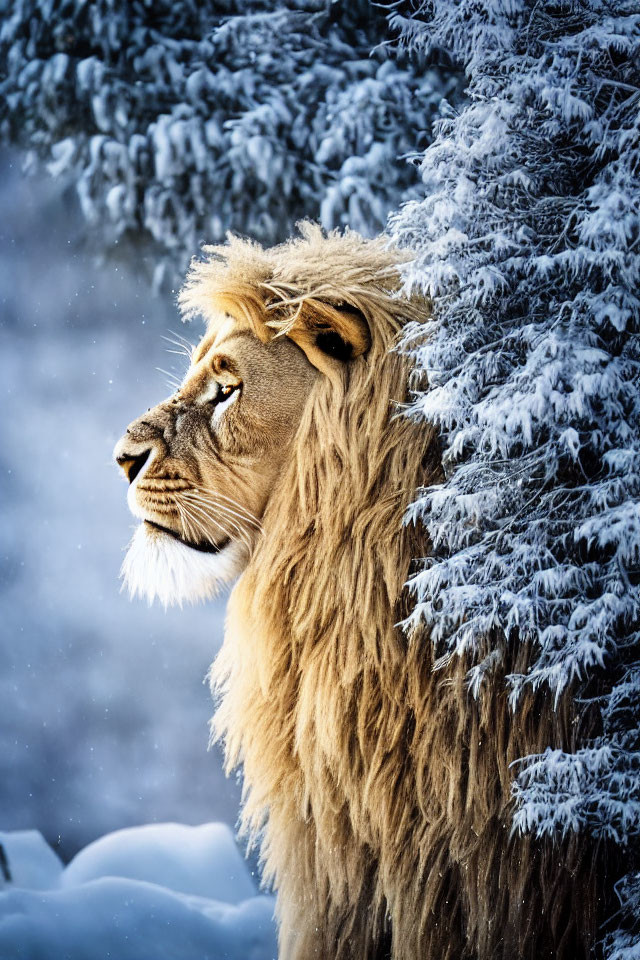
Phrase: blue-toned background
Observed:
(103, 709)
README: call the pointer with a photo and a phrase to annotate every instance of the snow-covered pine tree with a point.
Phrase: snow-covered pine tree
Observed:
(180, 121)
(528, 240)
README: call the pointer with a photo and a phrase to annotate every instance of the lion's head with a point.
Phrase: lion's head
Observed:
(282, 324)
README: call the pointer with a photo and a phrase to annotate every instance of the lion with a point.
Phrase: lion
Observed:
(377, 786)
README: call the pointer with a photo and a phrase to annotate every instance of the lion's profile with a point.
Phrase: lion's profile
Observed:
(380, 789)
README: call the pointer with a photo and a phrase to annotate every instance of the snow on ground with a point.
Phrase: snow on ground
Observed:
(157, 892)
(203, 861)
(29, 860)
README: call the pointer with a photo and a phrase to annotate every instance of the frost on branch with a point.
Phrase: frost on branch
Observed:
(624, 943)
(527, 240)
(596, 788)
(179, 121)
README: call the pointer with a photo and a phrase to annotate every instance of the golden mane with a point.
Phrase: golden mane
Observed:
(379, 789)
(310, 283)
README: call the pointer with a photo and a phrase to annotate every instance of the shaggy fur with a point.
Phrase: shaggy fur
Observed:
(379, 788)
(158, 568)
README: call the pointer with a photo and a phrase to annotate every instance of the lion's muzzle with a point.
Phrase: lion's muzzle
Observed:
(132, 463)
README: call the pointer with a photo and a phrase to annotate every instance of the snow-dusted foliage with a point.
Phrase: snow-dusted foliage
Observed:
(179, 121)
(624, 944)
(528, 241)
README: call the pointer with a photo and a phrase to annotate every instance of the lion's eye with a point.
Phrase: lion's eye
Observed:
(218, 394)
(223, 399)
(224, 393)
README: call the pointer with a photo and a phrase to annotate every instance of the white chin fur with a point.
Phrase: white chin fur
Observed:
(159, 567)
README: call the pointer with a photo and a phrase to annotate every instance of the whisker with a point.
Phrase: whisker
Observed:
(183, 350)
(218, 519)
(224, 529)
(175, 343)
(188, 523)
(173, 380)
(215, 510)
(208, 515)
(183, 523)
(201, 532)
(195, 525)
(230, 536)
(214, 495)
(187, 343)
(214, 502)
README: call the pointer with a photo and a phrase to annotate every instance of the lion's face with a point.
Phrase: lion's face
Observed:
(201, 464)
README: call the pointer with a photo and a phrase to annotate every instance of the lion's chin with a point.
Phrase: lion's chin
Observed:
(159, 567)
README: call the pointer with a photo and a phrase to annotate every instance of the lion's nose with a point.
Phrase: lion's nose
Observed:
(132, 463)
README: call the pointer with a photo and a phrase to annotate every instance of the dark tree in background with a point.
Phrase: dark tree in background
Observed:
(528, 241)
(179, 121)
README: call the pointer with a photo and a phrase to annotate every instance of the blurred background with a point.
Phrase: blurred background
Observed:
(103, 705)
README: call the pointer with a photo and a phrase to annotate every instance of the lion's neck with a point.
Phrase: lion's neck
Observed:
(334, 557)
(315, 610)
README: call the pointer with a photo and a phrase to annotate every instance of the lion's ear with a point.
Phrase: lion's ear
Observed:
(331, 335)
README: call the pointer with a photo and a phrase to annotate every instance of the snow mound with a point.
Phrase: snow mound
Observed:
(29, 860)
(132, 920)
(202, 861)
(158, 892)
